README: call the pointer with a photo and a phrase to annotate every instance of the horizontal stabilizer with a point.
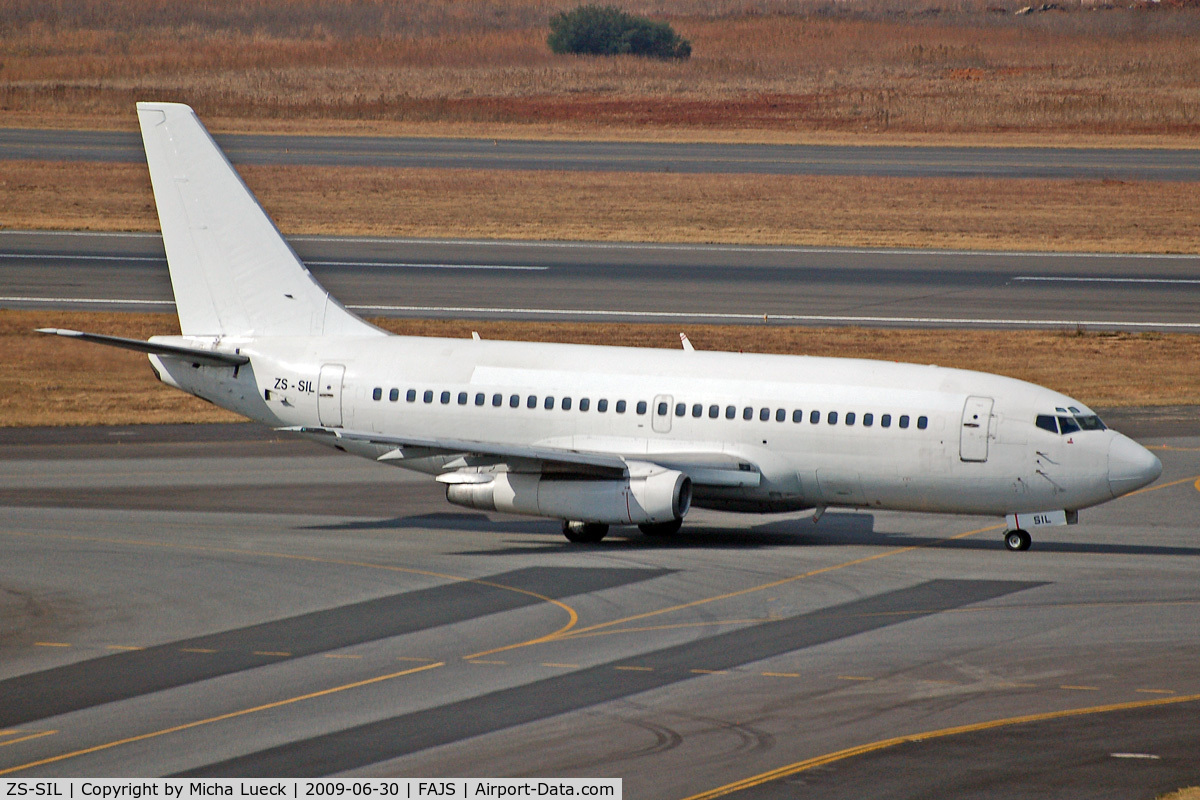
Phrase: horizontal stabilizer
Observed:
(193, 354)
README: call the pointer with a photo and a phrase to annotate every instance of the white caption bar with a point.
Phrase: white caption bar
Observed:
(187, 789)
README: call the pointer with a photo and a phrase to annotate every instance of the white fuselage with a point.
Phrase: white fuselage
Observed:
(821, 431)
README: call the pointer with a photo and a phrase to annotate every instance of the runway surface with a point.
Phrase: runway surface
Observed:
(600, 281)
(212, 600)
(371, 151)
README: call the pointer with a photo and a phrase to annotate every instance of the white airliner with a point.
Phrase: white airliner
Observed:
(596, 436)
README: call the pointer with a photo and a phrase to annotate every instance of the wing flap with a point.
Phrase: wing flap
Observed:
(537, 458)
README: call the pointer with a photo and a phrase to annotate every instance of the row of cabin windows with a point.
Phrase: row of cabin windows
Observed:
(663, 409)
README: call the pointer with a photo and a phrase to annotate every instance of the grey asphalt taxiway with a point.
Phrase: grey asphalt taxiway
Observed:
(602, 281)
(216, 600)
(689, 157)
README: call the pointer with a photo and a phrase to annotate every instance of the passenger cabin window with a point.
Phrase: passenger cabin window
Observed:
(445, 398)
(697, 410)
(514, 401)
(922, 423)
(714, 412)
(394, 395)
(797, 416)
(885, 421)
(680, 409)
(462, 398)
(730, 412)
(428, 396)
(531, 401)
(549, 403)
(904, 420)
(479, 398)
(814, 417)
(411, 396)
(780, 414)
(764, 414)
(831, 418)
(497, 399)
(566, 404)
(584, 404)
(662, 409)
(850, 417)
(601, 405)
(868, 420)
(620, 408)
(377, 393)
(747, 413)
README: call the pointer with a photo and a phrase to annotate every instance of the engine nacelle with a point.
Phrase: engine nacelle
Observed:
(647, 495)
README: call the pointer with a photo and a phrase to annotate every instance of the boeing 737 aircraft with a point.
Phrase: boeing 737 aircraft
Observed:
(596, 436)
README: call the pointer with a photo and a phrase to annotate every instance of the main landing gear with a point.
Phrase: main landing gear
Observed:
(584, 532)
(1017, 540)
(592, 532)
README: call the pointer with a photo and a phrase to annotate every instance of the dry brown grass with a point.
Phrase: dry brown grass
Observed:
(779, 65)
(46, 380)
(1192, 793)
(918, 212)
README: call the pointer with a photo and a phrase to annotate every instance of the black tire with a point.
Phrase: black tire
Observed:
(661, 528)
(1017, 540)
(584, 532)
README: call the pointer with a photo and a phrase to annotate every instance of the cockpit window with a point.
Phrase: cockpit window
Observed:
(1070, 421)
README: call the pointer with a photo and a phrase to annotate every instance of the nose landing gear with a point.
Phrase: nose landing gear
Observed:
(1017, 540)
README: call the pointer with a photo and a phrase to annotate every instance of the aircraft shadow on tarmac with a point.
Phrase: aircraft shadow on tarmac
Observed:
(835, 529)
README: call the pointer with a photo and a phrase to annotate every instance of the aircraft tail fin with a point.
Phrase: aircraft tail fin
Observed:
(232, 272)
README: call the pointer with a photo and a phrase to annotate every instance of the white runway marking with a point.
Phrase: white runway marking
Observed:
(90, 300)
(667, 315)
(1135, 755)
(406, 265)
(396, 264)
(50, 257)
(750, 248)
(674, 315)
(1053, 279)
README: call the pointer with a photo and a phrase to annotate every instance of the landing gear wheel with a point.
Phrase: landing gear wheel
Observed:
(584, 532)
(661, 528)
(1017, 540)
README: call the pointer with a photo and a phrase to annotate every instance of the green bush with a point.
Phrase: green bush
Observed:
(609, 31)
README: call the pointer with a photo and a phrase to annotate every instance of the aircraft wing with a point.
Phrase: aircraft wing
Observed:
(705, 468)
(532, 457)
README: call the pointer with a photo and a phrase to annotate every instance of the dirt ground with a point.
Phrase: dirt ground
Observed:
(952, 213)
(790, 69)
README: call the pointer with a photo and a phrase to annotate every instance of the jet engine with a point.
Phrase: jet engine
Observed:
(649, 494)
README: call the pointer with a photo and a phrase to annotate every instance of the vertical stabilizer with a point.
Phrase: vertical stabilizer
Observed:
(232, 271)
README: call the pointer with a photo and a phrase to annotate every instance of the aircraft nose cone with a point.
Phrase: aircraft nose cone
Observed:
(1130, 466)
